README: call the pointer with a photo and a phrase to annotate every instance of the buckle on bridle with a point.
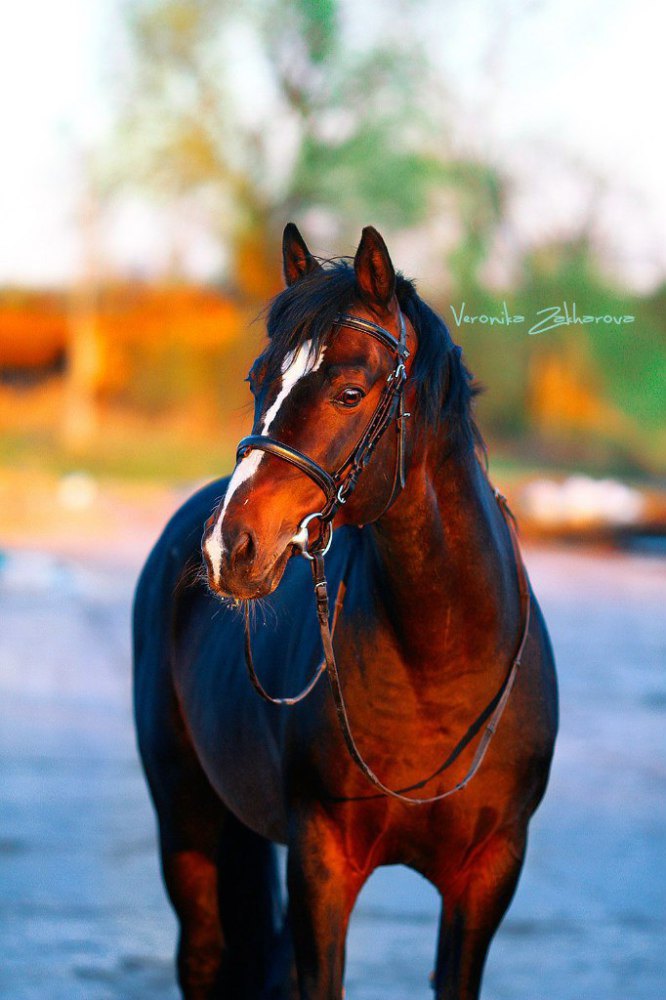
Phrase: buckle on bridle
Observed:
(400, 372)
(300, 539)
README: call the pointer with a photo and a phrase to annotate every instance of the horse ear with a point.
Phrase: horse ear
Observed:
(375, 274)
(296, 258)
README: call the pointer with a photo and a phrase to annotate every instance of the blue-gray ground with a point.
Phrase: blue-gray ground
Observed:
(82, 910)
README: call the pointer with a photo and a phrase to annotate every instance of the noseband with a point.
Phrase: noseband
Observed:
(338, 486)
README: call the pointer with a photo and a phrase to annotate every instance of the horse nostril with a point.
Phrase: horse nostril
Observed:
(244, 548)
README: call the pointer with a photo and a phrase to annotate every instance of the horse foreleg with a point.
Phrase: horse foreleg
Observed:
(191, 880)
(224, 886)
(323, 887)
(190, 818)
(471, 913)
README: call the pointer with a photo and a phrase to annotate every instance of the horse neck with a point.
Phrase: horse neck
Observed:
(446, 571)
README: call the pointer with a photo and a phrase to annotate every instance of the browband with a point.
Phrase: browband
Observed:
(385, 337)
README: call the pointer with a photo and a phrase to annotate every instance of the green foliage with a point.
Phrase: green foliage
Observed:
(394, 192)
(629, 357)
(480, 199)
(317, 24)
(621, 365)
(264, 110)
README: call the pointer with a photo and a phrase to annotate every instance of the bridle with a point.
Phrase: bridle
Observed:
(337, 487)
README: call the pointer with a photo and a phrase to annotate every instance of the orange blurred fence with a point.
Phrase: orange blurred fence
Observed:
(38, 331)
(124, 371)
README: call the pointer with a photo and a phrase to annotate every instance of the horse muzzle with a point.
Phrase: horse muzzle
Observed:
(236, 567)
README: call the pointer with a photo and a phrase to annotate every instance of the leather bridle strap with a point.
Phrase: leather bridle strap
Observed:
(396, 344)
(493, 711)
(311, 684)
(324, 481)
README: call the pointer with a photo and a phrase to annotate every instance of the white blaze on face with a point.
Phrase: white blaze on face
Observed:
(295, 366)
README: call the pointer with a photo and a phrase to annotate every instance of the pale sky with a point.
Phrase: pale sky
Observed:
(568, 95)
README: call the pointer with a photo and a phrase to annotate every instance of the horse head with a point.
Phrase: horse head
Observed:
(321, 387)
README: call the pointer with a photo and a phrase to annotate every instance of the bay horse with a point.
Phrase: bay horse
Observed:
(436, 633)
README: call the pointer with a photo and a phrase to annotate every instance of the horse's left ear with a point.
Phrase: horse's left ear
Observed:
(375, 274)
(296, 258)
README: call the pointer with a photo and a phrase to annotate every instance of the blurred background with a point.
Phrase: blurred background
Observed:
(512, 154)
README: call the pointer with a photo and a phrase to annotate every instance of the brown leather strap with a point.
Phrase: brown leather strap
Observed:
(396, 344)
(326, 483)
(493, 711)
(312, 683)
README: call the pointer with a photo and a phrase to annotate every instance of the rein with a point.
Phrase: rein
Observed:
(500, 699)
(336, 487)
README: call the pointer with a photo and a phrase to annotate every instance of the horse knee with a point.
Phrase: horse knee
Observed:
(323, 887)
(473, 907)
(492, 883)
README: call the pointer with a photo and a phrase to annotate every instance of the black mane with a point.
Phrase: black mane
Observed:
(445, 388)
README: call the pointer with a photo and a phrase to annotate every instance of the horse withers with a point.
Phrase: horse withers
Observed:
(431, 745)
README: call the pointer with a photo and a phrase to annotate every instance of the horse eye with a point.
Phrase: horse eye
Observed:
(350, 397)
